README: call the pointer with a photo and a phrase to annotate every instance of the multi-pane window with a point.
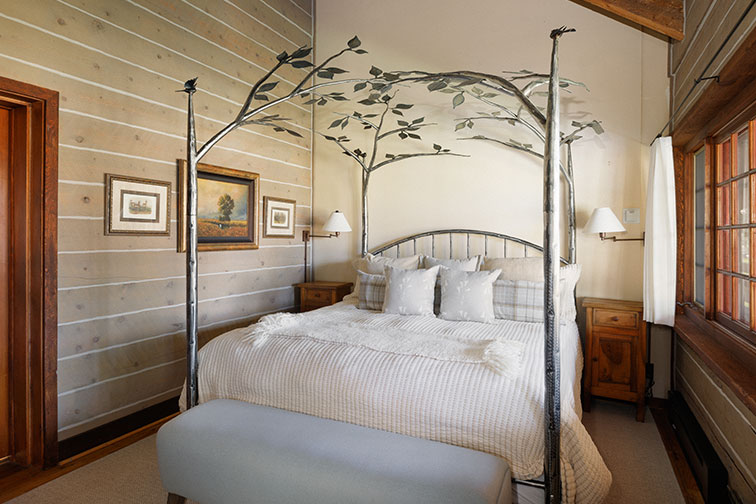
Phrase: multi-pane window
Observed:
(699, 202)
(735, 283)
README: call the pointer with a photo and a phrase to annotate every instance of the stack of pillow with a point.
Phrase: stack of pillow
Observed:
(475, 289)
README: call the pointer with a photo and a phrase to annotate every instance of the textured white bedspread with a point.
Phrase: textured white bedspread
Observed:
(461, 403)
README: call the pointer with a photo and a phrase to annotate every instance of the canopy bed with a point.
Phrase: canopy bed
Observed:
(467, 388)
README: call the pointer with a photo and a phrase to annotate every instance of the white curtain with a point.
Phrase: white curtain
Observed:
(660, 260)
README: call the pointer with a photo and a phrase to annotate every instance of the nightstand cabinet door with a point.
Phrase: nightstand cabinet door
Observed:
(613, 363)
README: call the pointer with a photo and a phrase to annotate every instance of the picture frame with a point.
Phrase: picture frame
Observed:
(279, 217)
(227, 208)
(137, 206)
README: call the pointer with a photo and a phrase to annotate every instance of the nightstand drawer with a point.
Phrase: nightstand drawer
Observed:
(317, 297)
(616, 318)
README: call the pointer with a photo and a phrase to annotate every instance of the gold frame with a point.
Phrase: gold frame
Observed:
(293, 203)
(109, 179)
(253, 207)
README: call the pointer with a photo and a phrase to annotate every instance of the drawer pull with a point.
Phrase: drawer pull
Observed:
(615, 318)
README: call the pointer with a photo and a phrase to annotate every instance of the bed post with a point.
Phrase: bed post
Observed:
(551, 265)
(192, 278)
(571, 222)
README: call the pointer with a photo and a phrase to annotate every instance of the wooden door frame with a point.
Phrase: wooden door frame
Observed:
(35, 271)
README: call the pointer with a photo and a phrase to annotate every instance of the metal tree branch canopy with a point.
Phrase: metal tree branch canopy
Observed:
(381, 83)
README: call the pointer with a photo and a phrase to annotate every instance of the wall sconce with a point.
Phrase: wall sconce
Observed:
(334, 226)
(604, 221)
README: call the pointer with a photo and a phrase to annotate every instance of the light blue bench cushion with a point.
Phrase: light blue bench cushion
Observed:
(228, 451)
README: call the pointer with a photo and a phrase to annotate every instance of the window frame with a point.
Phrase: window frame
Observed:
(713, 152)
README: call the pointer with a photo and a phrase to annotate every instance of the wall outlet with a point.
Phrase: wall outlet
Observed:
(631, 215)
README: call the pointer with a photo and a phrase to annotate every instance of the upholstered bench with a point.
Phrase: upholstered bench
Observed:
(232, 452)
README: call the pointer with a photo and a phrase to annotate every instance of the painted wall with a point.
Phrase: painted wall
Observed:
(117, 66)
(498, 189)
(728, 423)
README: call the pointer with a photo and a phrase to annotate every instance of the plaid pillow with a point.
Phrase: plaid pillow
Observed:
(518, 300)
(372, 291)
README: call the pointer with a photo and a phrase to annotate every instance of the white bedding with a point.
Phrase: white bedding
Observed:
(456, 402)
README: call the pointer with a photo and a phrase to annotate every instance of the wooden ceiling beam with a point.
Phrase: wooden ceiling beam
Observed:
(663, 16)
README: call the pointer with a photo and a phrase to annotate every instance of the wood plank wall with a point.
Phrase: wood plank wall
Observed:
(117, 65)
(727, 422)
(707, 24)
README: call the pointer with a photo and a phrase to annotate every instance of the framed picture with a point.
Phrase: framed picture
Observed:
(227, 208)
(137, 206)
(280, 217)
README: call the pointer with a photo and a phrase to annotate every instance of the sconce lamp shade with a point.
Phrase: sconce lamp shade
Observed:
(603, 220)
(337, 223)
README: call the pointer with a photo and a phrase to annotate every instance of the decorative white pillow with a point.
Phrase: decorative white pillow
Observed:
(375, 265)
(410, 292)
(569, 276)
(470, 264)
(467, 295)
(372, 291)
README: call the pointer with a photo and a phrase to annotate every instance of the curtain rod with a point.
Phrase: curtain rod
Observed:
(701, 77)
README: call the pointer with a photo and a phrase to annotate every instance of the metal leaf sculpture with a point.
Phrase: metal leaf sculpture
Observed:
(380, 125)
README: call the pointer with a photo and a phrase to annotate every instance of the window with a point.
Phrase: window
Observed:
(699, 202)
(735, 208)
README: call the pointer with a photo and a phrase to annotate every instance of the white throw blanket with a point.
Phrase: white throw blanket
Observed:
(449, 400)
(455, 345)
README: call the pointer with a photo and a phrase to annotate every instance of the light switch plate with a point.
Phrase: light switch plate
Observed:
(631, 215)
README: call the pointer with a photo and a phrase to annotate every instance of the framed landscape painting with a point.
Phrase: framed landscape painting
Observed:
(227, 208)
(137, 206)
(279, 217)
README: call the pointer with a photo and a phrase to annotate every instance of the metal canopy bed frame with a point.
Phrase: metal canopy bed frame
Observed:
(551, 243)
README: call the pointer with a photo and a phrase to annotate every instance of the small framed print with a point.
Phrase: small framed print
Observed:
(137, 206)
(280, 217)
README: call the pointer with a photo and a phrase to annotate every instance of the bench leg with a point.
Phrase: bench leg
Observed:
(175, 499)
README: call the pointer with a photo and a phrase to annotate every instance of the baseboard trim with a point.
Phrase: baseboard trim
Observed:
(115, 429)
(27, 479)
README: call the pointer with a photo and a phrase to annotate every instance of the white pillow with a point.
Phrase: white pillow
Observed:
(375, 265)
(516, 268)
(410, 292)
(467, 295)
(470, 264)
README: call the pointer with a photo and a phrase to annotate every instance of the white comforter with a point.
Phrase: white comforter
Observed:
(456, 402)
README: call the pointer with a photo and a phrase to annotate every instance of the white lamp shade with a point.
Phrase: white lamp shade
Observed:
(603, 220)
(337, 223)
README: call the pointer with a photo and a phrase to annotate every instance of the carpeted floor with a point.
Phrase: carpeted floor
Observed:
(633, 451)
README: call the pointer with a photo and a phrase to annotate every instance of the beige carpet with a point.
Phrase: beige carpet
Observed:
(633, 451)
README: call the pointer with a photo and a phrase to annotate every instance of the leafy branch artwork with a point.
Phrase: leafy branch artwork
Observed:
(382, 128)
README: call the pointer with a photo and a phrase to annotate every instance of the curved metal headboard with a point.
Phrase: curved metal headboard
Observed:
(451, 233)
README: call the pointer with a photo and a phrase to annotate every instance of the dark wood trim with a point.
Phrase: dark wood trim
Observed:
(40, 266)
(724, 104)
(117, 428)
(682, 203)
(26, 480)
(684, 475)
(662, 16)
(730, 358)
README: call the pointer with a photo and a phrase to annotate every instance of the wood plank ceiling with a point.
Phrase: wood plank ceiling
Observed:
(662, 16)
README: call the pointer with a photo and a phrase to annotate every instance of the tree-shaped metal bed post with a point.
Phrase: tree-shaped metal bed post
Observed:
(551, 201)
(247, 115)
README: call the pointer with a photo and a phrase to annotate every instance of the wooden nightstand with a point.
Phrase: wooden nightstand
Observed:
(314, 295)
(615, 352)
